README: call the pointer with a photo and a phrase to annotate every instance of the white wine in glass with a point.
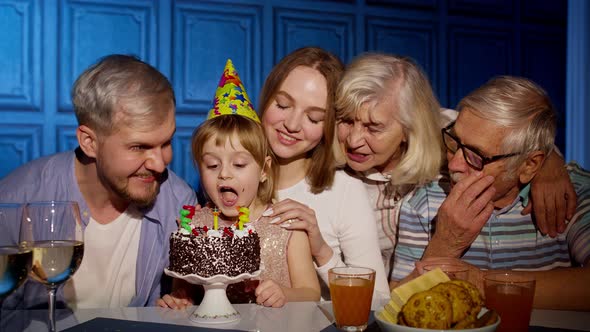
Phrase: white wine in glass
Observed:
(15, 261)
(56, 238)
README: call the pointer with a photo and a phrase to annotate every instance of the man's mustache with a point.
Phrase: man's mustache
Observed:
(158, 176)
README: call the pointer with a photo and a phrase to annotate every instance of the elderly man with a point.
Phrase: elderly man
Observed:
(502, 136)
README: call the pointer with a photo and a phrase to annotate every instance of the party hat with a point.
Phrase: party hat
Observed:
(231, 96)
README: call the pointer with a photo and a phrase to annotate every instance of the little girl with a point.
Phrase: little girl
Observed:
(237, 168)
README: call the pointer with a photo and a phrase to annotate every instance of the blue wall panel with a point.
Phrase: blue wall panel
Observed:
(297, 28)
(19, 61)
(183, 161)
(205, 37)
(547, 70)
(66, 137)
(19, 144)
(475, 55)
(93, 29)
(416, 39)
(578, 82)
(405, 3)
(490, 8)
(460, 44)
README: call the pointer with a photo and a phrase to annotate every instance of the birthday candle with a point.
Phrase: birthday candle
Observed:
(186, 214)
(215, 218)
(243, 217)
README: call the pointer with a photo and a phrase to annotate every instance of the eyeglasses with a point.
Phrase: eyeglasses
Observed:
(472, 157)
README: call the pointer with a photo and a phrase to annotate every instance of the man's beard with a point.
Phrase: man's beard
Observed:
(141, 202)
(144, 202)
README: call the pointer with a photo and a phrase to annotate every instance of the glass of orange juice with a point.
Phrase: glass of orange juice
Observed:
(351, 290)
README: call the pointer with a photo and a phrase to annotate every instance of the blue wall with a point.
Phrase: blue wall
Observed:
(578, 86)
(45, 45)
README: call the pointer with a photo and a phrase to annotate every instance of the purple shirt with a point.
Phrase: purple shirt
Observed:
(53, 178)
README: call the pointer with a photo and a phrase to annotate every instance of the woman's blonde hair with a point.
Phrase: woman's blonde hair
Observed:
(251, 136)
(320, 174)
(521, 105)
(372, 76)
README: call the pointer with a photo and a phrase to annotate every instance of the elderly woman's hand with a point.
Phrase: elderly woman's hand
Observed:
(553, 198)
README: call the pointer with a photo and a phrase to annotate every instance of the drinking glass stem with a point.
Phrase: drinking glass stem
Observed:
(1, 303)
(51, 293)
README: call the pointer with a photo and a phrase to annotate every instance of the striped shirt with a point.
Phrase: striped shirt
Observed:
(386, 199)
(508, 240)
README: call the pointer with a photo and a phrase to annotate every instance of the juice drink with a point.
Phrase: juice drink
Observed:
(351, 298)
(513, 303)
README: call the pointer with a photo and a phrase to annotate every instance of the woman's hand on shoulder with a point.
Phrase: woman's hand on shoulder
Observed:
(270, 294)
(553, 198)
(293, 215)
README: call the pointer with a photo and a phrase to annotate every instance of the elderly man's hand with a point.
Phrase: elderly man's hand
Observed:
(462, 215)
(552, 198)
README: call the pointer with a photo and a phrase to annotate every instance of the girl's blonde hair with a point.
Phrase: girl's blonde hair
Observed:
(251, 136)
(372, 76)
(320, 174)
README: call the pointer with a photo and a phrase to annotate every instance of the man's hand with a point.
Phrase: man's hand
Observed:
(553, 198)
(462, 215)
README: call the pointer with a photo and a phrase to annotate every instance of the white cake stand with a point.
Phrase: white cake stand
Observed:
(215, 307)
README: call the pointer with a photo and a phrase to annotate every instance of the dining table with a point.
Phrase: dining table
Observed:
(295, 316)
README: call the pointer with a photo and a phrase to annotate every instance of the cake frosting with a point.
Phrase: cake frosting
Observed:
(198, 249)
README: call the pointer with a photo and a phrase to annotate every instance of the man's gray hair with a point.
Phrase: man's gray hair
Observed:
(518, 104)
(112, 81)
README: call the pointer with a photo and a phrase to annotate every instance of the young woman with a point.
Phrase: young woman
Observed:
(298, 116)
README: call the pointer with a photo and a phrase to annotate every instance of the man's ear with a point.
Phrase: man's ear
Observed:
(265, 169)
(531, 166)
(88, 140)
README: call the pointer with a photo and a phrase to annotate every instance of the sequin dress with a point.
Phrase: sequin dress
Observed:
(273, 254)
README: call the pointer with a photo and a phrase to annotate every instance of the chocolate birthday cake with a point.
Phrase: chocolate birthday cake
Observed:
(205, 251)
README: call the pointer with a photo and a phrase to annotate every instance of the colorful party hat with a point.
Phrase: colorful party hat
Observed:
(231, 96)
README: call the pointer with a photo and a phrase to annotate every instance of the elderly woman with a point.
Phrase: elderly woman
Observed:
(389, 124)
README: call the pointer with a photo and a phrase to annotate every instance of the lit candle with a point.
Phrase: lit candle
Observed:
(186, 214)
(215, 218)
(243, 217)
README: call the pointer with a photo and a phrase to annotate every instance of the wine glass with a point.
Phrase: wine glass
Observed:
(53, 230)
(15, 261)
